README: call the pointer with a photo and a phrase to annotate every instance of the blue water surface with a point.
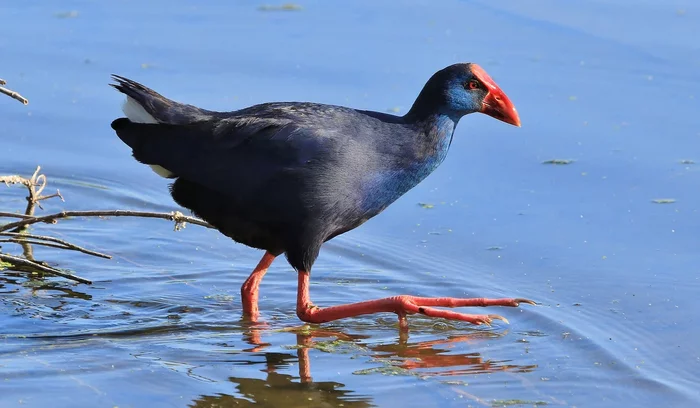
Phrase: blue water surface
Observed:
(613, 86)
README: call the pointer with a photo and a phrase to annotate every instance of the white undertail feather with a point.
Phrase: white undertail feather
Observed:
(137, 114)
(161, 171)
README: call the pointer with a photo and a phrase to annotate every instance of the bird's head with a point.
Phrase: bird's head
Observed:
(461, 89)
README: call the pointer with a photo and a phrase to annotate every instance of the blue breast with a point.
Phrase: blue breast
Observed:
(385, 187)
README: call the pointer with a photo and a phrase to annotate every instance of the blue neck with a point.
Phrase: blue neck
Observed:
(435, 137)
(439, 130)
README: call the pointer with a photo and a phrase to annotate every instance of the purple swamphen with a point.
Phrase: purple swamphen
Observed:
(285, 177)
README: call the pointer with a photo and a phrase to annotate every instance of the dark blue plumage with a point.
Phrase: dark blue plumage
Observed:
(286, 177)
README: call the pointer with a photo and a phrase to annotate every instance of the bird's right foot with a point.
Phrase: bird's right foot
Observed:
(401, 305)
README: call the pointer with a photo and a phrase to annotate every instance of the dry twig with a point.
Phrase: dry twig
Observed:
(35, 186)
(179, 218)
(12, 94)
(19, 237)
(14, 215)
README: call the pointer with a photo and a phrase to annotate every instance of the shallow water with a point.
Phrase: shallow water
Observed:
(612, 85)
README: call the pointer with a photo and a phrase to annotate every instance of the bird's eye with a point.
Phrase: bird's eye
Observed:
(473, 84)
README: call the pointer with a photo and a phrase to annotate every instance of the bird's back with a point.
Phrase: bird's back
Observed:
(272, 174)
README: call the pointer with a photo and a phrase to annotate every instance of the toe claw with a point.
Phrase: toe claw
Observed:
(498, 317)
(528, 301)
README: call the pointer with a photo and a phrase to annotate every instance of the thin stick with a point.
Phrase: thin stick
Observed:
(34, 198)
(31, 242)
(46, 269)
(14, 215)
(179, 218)
(12, 94)
(65, 244)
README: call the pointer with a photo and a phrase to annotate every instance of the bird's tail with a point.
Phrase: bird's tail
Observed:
(144, 105)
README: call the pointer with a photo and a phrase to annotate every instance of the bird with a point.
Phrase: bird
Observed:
(286, 177)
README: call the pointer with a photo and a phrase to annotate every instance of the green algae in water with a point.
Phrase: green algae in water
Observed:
(384, 370)
(517, 402)
(337, 346)
(4, 265)
(282, 7)
(304, 330)
(220, 297)
(663, 200)
(332, 346)
(455, 382)
(66, 14)
(558, 162)
(426, 205)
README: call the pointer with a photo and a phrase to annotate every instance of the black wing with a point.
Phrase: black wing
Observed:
(256, 162)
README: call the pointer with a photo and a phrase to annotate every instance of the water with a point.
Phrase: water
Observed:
(611, 84)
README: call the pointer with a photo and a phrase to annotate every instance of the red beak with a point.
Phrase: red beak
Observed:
(496, 104)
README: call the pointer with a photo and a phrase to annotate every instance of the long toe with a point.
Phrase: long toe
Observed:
(528, 301)
(467, 302)
(448, 314)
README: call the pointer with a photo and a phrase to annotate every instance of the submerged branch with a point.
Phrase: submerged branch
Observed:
(17, 261)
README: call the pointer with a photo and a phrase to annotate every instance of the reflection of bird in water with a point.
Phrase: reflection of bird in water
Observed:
(425, 355)
(429, 358)
(281, 390)
(305, 341)
(422, 355)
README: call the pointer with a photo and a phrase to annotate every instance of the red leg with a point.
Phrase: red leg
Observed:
(303, 355)
(401, 305)
(249, 290)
